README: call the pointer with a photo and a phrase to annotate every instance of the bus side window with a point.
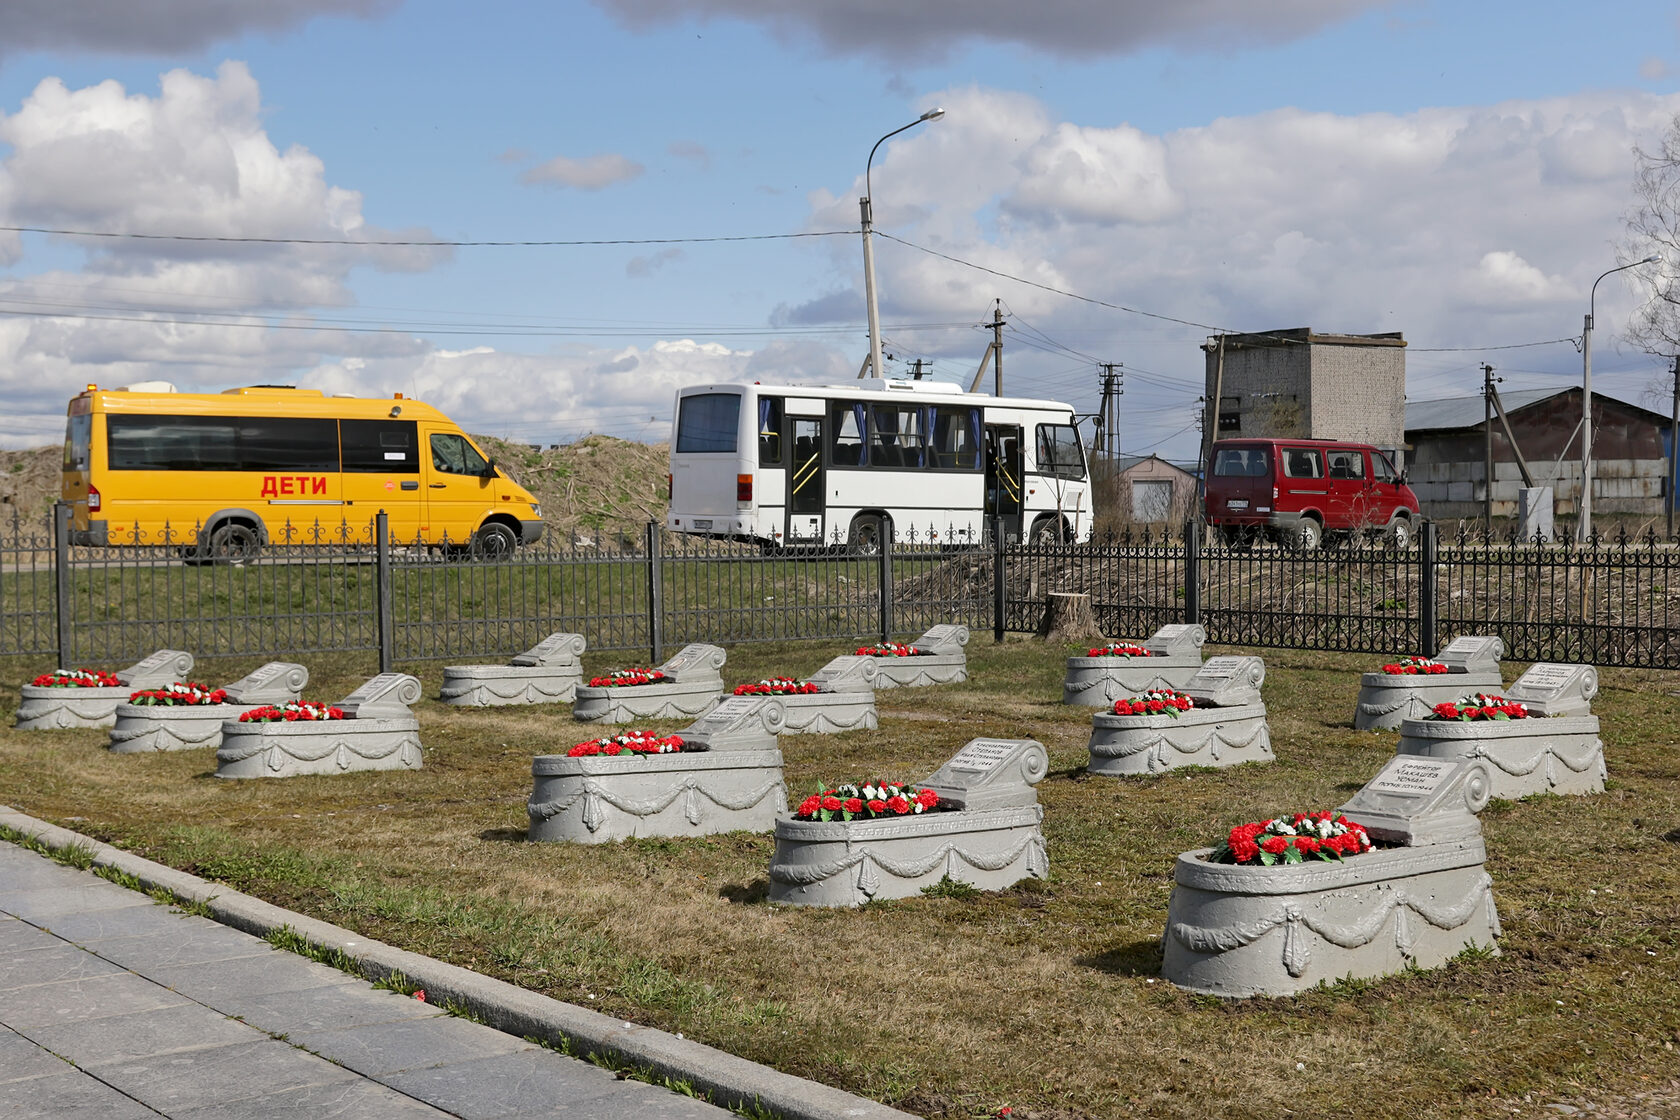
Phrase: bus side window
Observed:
(769, 431)
(845, 442)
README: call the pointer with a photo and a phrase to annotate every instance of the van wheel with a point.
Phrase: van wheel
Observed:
(232, 543)
(1398, 535)
(1306, 536)
(494, 541)
(866, 535)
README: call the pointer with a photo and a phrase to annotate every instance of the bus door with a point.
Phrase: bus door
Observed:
(460, 486)
(1003, 478)
(805, 481)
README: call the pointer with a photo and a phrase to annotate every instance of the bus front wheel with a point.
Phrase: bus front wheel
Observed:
(232, 542)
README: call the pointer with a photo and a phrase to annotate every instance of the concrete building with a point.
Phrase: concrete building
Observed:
(1448, 449)
(1303, 384)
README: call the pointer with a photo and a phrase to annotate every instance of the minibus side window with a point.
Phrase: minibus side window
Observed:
(452, 454)
(78, 440)
(379, 446)
(1383, 469)
(1302, 462)
(1347, 464)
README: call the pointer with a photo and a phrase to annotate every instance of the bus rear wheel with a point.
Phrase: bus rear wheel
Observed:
(232, 542)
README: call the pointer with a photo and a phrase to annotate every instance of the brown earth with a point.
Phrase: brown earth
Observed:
(594, 487)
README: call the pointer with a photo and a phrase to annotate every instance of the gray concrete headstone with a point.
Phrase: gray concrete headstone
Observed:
(1226, 682)
(1472, 653)
(1549, 689)
(739, 723)
(694, 662)
(274, 683)
(850, 673)
(553, 651)
(1421, 801)
(166, 666)
(386, 696)
(992, 774)
(943, 639)
(1181, 638)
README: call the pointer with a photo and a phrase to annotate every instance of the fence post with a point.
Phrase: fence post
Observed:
(656, 604)
(997, 579)
(884, 578)
(1192, 571)
(382, 591)
(1427, 637)
(61, 581)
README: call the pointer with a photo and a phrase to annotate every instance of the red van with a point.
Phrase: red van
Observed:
(1301, 492)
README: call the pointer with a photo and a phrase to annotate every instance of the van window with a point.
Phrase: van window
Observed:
(708, 422)
(220, 443)
(1348, 464)
(1302, 462)
(452, 454)
(1241, 462)
(78, 440)
(379, 446)
(1059, 452)
(1382, 469)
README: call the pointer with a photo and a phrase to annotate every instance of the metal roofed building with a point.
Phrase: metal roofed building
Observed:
(1447, 448)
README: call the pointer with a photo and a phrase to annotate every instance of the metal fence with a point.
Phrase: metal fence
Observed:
(1614, 602)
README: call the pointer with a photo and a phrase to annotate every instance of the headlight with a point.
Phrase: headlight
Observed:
(536, 511)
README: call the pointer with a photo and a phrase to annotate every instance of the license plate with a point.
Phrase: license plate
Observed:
(1238, 503)
(702, 523)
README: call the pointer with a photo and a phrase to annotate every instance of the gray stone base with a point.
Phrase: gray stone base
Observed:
(628, 703)
(599, 798)
(847, 863)
(55, 709)
(483, 686)
(1276, 931)
(336, 746)
(1122, 745)
(915, 672)
(1387, 698)
(825, 713)
(1097, 682)
(157, 727)
(1560, 754)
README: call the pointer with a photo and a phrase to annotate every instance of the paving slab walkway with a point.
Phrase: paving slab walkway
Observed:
(113, 1005)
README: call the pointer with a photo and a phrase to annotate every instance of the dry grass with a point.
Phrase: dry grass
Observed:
(1044, 997)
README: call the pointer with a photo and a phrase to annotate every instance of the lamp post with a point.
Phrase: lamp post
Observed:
(866, 211)
(1583, 529)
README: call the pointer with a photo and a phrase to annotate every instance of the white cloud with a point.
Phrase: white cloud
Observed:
(1065, 27)
(592, 173)
(158, 26)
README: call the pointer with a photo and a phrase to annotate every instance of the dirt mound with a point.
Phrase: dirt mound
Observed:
(597, 487)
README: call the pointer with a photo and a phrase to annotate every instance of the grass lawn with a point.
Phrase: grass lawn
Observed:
(1044, 997)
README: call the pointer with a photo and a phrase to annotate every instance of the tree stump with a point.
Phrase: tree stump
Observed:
(1068, 617)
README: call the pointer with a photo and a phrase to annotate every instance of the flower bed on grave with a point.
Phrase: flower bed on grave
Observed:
(839, 697)
(1285, 905)
(777, 686)
(1164, 730)
(67, 698)
(627, 678)
(937, 657)
(1526, 754)
(686, 685)
(547, 673)
(371, 729)
(893, 649)
(1410, 687)
(186, 715)
(1117, 670)
(848, 844)
(645, 784)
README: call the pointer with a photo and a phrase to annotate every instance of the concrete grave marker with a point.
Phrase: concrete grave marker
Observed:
(942, 660)
(692, 685)
(1175, 655)
(739, 723)
(1227, 682)
(554, 650)
(386, 696)
(849, 673)
(166, 666)
(547, 673)
(1415, 801)
(694, 662)
(1179, 639)
(1226, 727)
(1550, 689)
(845, 700)
(158, 727)
(1387, 699)
(992, 774)
(378, 732)
(44, 708)
(274, 683)
(1471, 653)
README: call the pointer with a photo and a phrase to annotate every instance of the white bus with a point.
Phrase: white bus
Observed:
(805, 465)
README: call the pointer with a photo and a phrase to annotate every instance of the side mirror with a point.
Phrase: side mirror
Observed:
(489, 470)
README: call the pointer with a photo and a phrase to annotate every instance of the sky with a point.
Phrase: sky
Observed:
(544, 218)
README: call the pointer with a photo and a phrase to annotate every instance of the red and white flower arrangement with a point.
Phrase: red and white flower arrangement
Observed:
(1411, 666)
(624, 678)
(179, 694)
(292, 711)
(891, 649)
(1479, 706)
(776, 686)
(1121, 649)
(634, 743)
(869, 800)
(1304, 836)
(77, 678)
(1155, 702)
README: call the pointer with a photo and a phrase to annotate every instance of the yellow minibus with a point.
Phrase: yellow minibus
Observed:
(224, 475)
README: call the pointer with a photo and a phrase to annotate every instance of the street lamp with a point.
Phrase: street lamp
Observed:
(864, 209)
(1583, 529)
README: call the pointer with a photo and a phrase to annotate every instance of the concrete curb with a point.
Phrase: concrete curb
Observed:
(731, 1081)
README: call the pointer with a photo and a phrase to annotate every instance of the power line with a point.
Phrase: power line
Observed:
(428, 244)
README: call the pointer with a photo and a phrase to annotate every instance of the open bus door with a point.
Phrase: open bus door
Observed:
(1003, 478)
(805, 481)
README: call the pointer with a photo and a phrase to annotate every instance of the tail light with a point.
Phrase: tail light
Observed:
(93, 498)
(670, 487)
(743, 488)
(1274, 493)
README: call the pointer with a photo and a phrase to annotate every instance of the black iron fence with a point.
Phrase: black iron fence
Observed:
(1613, 602)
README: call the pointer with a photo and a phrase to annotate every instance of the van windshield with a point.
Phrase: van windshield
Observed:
(1240, 462)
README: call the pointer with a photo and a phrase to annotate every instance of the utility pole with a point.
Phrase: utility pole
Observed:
(1673, 423)
(994, 354)
(1210, 407)
(1111, 390)
(916, 369)
(1487, 446)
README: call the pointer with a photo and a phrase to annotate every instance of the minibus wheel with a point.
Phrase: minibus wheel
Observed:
(1398, 535)
(1306, 536)
(232, 543)
(494, 541)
